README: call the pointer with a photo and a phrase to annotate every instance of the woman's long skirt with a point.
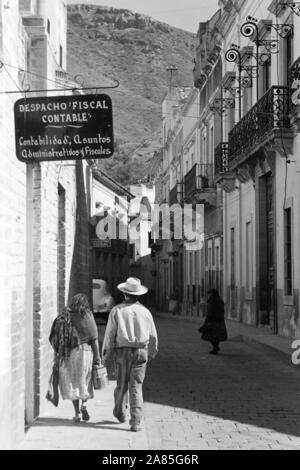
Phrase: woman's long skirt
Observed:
(75, 374)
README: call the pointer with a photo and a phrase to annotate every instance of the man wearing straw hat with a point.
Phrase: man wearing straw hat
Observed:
(132, 336)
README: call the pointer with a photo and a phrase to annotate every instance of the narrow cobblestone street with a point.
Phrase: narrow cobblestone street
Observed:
(245, 398)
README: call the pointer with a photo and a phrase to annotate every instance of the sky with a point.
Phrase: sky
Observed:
(184, 14)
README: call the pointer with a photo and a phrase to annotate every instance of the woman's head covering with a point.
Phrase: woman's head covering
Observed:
(64, 336)
(79, 304)
(213, 292)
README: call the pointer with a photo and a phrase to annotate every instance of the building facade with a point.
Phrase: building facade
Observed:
(186, 177)
(109, 231)
(44, 213)
(257, 164)
(231, 144)
(140, 237)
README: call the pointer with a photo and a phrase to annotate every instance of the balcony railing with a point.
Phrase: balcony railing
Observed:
(221, 159)
(271, 112)
(199, 178)
(61, 74)
(176, 194)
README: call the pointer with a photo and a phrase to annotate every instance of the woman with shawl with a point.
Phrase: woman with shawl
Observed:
(74, 339)
(214, 328)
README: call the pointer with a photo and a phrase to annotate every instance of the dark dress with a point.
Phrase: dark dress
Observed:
(214, 328)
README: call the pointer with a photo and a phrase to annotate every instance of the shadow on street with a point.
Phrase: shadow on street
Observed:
(249, 384)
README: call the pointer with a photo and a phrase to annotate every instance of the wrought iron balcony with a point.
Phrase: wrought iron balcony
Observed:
(221, 159)
(199, 183)
(176, 194)
(268, 117)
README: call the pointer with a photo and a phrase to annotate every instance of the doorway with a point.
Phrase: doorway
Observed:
(267, 314)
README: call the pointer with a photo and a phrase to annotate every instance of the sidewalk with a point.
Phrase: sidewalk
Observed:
(55, 430)
(246, 333)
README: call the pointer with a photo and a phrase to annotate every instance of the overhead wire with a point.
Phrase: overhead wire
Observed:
(13, 80)
(20, 69)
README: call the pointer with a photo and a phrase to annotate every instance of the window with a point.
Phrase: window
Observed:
(210, 257)
(212, 144)
(287, 57)
(188, 269)
(232, 258)
(218, 286)
(210, 280)
(191, 269)
(248, 258)
(48, 26)
(217, 257)
(160, 223)
(194, 295)
(221, 251)
(288, 283)
(266, 77)
(60, 56)
(204, 156)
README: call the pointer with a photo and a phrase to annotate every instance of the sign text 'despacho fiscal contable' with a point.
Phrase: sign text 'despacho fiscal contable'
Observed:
(64, 128)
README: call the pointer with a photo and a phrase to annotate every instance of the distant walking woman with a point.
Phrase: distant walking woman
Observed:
(74, 339)
(214, 328)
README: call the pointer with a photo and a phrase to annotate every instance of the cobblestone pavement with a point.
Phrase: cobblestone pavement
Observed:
(247, 398)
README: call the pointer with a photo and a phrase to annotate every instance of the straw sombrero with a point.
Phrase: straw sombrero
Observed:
(133, 286)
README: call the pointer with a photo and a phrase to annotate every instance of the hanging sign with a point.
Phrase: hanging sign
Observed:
(64, 128)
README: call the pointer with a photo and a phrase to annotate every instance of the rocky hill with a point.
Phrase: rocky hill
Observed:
(106, 43)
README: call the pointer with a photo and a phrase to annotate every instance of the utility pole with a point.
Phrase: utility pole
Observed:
(172, 69)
